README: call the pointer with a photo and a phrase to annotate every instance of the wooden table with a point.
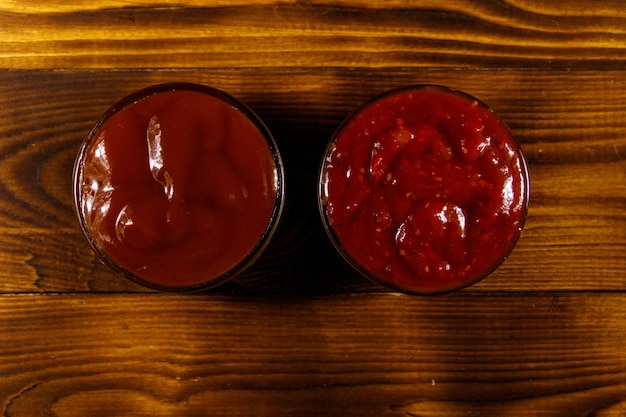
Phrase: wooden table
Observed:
(301, 333)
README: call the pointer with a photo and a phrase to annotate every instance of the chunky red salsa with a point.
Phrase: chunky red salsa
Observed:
(177, 186)
(424, 189)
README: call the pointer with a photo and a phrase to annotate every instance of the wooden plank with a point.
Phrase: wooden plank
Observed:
(572, 126)
(385, 355)
(572, 8)
(279, 34)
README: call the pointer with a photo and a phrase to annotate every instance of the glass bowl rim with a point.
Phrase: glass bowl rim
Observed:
(237, 105)
(332, 235)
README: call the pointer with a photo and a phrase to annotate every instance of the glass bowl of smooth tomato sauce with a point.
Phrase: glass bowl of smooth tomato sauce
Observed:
(179, 187)
(424, 190)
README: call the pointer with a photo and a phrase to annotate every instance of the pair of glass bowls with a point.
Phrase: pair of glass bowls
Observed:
(180, 187)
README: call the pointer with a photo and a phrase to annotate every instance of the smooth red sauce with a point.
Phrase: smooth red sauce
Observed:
(424, 190)
(177, 188)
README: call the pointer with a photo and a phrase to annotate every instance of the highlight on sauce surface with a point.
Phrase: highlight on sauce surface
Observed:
(424, 190)
(179, 187)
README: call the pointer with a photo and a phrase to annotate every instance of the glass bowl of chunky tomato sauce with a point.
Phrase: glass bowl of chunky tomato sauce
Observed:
(179, 187)
(424, 190)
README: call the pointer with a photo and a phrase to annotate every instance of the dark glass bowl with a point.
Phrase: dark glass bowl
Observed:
(423, 189)
(179, 187)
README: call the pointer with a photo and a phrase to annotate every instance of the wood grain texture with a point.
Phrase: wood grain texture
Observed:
(351, 355)
(301, 333)
(574, 138)
(296, 34)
